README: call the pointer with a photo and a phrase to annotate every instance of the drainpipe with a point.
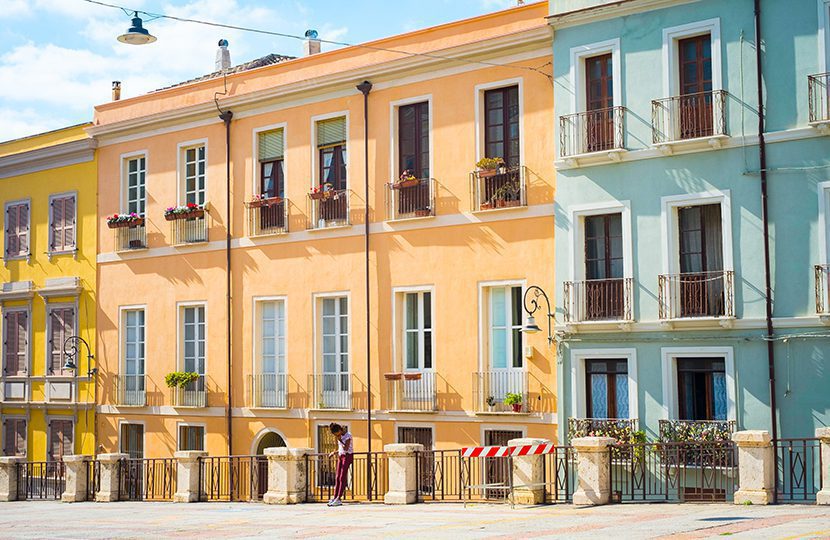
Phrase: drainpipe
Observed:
(226, 117)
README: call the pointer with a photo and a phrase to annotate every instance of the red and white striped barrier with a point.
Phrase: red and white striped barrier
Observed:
(504, 451)
(534, 449)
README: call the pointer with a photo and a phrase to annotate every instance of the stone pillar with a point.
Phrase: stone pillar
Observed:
(823, 496)
(109, 490)
(187, 475)
(756, 467)
(286, 475)
(593, 470)
(528, 474)
(8, 477)
(77, 475)
(403, 473)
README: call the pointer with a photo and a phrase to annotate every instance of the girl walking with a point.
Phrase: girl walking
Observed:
(345, 457)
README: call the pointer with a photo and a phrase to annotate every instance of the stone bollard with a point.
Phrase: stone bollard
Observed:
(286, 475)
(823, 496)
(109, 490)
(8, 477)
(187, 475)
(403, 473)
(77, 475)
(593, 470)
(756, 467)
(528, 474)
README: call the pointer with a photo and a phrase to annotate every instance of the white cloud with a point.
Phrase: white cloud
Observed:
(18, 123)
(15, 8)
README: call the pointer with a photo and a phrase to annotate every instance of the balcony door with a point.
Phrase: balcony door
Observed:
(271, 377)
(132, 440)
(194, 351)
(604, 284)
(413, 156)
(60, 439)
(335, 352)
(696, 99)
(701, 284)
(701, 388)
(599, 84)
(501, 125)
(133, 357)
(506, 373)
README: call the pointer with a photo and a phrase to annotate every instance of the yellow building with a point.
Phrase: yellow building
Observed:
(47, 188)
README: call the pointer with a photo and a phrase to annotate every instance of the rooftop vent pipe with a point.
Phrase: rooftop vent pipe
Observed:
(223, 56)
(116, 90)
(311, 45)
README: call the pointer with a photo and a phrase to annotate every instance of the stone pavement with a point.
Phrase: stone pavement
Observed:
(435, 520)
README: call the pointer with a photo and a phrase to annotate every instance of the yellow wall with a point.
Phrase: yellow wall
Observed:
(37, 187)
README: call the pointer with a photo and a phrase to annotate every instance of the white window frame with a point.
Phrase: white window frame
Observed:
(51, 306)
(255, 157)
(125, 178)
(824, 35)
(669, 357)
(143, 425)
(52, 198)
(394, 155)
(181, 164)
(479, 114)
(317, 301)
(576, 251)
(484, 360)
(577, 72)
(399, 326)
(180, 425)
(315, 153)
(501, 427)
(670, 225)
(28, 372)
(29, 234)
(416, 425)
(671, 36)
(122, 338)
(255, 357)
(180, 307)
(579, 407)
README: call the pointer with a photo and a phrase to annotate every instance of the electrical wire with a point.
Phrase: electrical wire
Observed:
(327, 41)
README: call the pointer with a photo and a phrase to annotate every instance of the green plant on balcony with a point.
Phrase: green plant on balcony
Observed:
(180, 379)
(695, 431)
(513, 400)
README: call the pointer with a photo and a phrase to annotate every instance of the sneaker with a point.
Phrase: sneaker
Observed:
(329, 503)
(336, 502)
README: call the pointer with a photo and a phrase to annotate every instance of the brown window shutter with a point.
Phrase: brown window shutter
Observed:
(21, 436)
(69, 222)
(8, 437)
(10, 343)
(22, 325)
(23, 229)
(56, 232)
(12, 245)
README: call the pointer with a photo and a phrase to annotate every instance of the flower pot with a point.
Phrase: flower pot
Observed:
(392, 376)
(509, 204)
(136, 244)
(423, 212)
(517, 407)
(486, 206)
(125, 224)
(265, 202)
(319, 195)
(487, 173)
(412, 376)
(192, 214)
(412, 182)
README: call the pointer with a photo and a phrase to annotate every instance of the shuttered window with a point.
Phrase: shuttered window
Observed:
(15, 342)
(61, 326)
(332, 131)
(60, 439)
(17, 229)
(271, 145)
(62, 226)
(14, 437)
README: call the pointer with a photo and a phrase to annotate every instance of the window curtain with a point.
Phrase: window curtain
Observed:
(713, 236)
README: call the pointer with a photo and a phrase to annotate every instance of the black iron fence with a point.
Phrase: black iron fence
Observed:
(689, 116)
(233, 478)
(798, 469)
(40, 480)
(149, 479)
(368, 478)
(440, 475)
(93, 479)
(819, 97)
(560, 475)
(591, 131)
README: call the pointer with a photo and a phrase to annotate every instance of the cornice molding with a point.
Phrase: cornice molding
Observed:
(613, 10)
(50, 157)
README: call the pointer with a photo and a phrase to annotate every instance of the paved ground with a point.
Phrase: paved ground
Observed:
(437, 520)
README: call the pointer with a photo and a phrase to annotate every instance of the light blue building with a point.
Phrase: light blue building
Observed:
(660, 258)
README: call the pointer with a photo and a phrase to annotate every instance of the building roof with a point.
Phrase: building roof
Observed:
(253, 64)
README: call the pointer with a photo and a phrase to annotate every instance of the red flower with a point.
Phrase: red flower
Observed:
(191, 205)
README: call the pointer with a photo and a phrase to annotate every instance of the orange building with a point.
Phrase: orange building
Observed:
(254, 298)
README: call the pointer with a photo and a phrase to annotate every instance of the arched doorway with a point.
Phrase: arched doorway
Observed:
(267, 438)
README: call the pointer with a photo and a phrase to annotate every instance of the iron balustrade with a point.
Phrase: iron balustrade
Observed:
(560, 474)
(412, 391)
(696, 430)
(598, 300)
(439, 474)
(496, 384)
(690, 116)
(130, 390)
(266, 218)
(332, 210)
(368, 478)
(194, 394)
(798, 469)
(696, 294)
(147, 479)
(822, 272)
(269, 390)
(404, 202)
(676, 472)
(233, 478)
(599, 130)
(40, 480)
(130, 238)
(621, 429)
(819, 97)
(505, 188)
(331, 391)
(189, 231)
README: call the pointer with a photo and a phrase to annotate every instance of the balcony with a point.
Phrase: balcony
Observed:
(415, 200)
(822, 289)
(496, 189)
(819, 97)
(491, 388)
(598, 300)
(696, 430)
(328, 209)
(621, 429)
(130, 390)
(411, 391)
(267, 216)
(599, 131)
(130, 238)
(690, 117)
(331, 391)
(697, 295)
(189, 231)
(192, 395)
(269, 390)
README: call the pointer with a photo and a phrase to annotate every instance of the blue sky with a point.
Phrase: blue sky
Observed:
(58, 57)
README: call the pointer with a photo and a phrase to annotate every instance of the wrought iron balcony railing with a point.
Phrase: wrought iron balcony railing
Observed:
(696, 430)
(405, 201)
(329, 209)
(269, 390)
(598, 300)
(192, 395)
(689, 116)
(696, 294)
(331, 391)
(621, 429)
(599, 130)
(491, 388)
(189, 231)
(822, 289)
(130, 238)
(502, 188)
(130, 390)
(269, 216)
(411, 391)
(819, 98)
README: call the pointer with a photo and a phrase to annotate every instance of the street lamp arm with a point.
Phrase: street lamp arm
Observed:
(70, 352)
(531, 305)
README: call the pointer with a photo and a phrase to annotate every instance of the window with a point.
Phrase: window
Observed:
(14, 437)
(136, 176)
(426, 461)
(191, 437)
(60, 439)
(701, 261)
(194, 341)
(416, 435)
(417, 335)
(270, 383)
(194, 175)
(607, 388)
(599, 85)
(132, 440)
(133, 355)
(61, 321)
(17, 229)
(696, 103)
(604, 294)
(701, 388)
(331, 145)
(15, 342)
(62, 224)
(271, 169)
(413, 139)
(505, 313)
(501, 124)
(335, 334)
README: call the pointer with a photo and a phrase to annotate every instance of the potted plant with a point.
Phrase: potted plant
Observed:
(423, 212)
(259, 201)
(392, 376)
(487, 166)
(412, 376)
(186, 211)
(180, 379)
(514, 400)
(491, 403)
(406, 180)
(118, 221)
(507, 195)
(323, 191)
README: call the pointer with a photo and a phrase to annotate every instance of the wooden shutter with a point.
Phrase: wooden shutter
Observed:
(23, 229)
(14, 437)
(60, 439)
(63, 223)
(8, 437)
(271, 145)
(15, 330)
(331, 131)
(61, 326)
(20, 436)
(12, 225)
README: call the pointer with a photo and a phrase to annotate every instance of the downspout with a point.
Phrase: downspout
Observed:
(226, 117)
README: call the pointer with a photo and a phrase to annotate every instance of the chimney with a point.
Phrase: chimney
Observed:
(116, 90)
(311, 45)
(223, 56)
